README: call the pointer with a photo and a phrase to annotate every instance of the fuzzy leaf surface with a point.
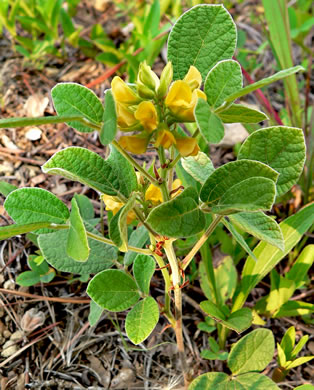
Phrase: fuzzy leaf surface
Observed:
(252, 352)
(109, 128)
(201, 37)
(141, 320)
(210, 125)
(199, 166)
(260, 226)
(113, 290)
(77, 244)
(29, 205)
(242, 114)
(143, 270)
(88, 168)
(221, 81)
(74, 99)
(280, 147)
(53, 247)
(179, 217)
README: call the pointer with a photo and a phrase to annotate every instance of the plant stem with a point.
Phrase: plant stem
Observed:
(175, 161)
(102, 239)
(188, 258)
(135, 164)
(178, 308)
(208, 263)
(22, 122)
(163, 184)
(102, 225)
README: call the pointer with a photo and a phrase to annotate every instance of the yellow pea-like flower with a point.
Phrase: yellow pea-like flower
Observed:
(193, 78)
(133, 144)
(125, 117)
(153, 193)
(114, 205)
(122, 93)
(187, 146)
(165, 138)
(147, 115)
(181, 100)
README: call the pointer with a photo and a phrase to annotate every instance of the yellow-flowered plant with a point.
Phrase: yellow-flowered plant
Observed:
(154, 106)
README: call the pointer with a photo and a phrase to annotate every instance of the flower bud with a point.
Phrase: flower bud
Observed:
(165, 80)
(147, 77)
(145, 92)
(133, 144)
(122, 93)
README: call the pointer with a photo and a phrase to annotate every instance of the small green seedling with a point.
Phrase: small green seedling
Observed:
(180, 196)
(288, 354)
(213, 353)
(40, 272)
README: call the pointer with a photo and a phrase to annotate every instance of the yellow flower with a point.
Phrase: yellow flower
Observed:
(153, 193)
(187, 146)
(181, 100)
(147, 115)
(125, 117)
(114, 205)
(165, 138)
(193, 78)
(122, 93)
(133, 144)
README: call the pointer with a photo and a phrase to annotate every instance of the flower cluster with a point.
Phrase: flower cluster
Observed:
(152, 106)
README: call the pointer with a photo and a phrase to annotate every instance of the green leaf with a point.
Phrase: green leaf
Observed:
(262, 83)
(85, 206)
(210, 125)
(280, 293)
(6, 188)
(269, 256)
(28, 278)
(118, 228)
(74, 99)
(38, 264)
(305, 387)
(237, 321)
(221, 381)
(179, 217)
(109, 128)
(29, 205)
(299, 270)
(104, 176)
(141, 320)
(221, 81)
(77, 244)
(201, 37)
(281, 356)
(199, 166)
(240, 240)
(297, 349)
(95, 313)
(14, 230)
(252, 352)
(294, 309)
(280, 147)
(260, 226)
(113, 290)
(53, 247)
(138, 238)
(243, 185)
(226, 278)
(242, 114)
(298, 362)
(143, 270)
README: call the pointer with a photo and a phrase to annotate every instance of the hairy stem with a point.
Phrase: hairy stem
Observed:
(188, 258)
(163, 184)
(178, 308)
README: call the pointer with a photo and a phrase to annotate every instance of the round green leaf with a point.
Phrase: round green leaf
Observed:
(210, 381)
(201, 37)
(143, 270)
(113, 290)
(27, 205)
(74, 99)
(252, 352)
(141, 320)
(280, 147)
